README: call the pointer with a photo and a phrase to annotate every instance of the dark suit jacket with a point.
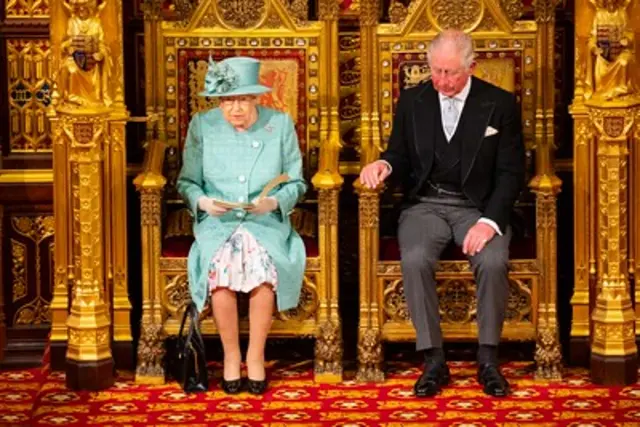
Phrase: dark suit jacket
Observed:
(492, 167)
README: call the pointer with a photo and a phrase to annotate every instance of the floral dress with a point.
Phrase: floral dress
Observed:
(241, 264)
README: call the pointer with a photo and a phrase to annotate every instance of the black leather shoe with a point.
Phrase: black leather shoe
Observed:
(233, 386)
(257, 387)
(491, 378)
(432, 379)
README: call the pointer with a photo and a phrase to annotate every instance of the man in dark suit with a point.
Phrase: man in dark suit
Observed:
(457, 146)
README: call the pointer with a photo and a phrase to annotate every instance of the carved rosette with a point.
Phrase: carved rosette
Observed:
(369, 356)
(328, 349)
(398, 12)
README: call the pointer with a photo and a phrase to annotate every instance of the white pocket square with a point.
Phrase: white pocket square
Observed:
(490, 131)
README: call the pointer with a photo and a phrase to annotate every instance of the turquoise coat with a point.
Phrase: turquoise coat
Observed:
(225, 164)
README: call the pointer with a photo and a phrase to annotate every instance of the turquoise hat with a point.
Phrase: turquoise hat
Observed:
(233, 76)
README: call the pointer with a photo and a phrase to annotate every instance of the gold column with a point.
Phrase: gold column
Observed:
(63, 272)
(369, 340)
(613, 349)
(89, 361)
(605, 111)
(150, 368)
(150, 184)
(116, 199)
(546, 185)
(328, 182)
(88, 120)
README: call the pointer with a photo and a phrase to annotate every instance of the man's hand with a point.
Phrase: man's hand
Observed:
(477, 238)
(208, 205)
(264, 205)
(374, 173)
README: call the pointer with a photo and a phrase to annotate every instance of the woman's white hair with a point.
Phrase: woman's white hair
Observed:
(459, 40)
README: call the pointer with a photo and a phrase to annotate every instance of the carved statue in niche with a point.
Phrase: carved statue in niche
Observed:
(83, 78)
(609, 71)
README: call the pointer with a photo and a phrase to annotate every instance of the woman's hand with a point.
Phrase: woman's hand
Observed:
(208, 205)
(264, 205)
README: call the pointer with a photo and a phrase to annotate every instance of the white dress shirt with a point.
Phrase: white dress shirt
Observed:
(460, 99)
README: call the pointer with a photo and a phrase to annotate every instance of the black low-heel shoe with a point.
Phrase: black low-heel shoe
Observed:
(233, 386)
(257, 387)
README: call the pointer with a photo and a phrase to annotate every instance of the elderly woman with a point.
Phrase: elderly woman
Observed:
(231, 153)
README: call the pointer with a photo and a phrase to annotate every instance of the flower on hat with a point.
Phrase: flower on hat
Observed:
(220, 78)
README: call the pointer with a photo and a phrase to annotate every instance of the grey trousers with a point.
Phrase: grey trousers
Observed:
(424, 231)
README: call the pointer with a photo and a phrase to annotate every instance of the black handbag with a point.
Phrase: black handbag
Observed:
(191, 363)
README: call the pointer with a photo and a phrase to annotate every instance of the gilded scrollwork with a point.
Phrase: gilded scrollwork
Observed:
(177, 292)
(307, 305)
(19, 269)
(544, 10)
(369, 10)
(395, 304)
(369, 356)
(299, 10)
(458, 14)
(241, 14)
(328, 349)
(457, 300)
(328, 10)
(37, 229)
(513, 8)
(37, 312)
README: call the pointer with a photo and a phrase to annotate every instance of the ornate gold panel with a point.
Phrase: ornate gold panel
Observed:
(19, 269)
(27, 9)
(29, 73)
(457, 296)
(176, 296)
(28, 264)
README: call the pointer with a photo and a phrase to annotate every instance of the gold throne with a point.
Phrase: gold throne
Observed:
(296, 63)
(506, 55)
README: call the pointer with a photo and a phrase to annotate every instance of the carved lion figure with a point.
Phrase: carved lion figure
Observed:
(151, 351)
(548, 357)
(328, 350)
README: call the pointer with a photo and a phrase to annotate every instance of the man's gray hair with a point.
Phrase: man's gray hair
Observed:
(457, 39)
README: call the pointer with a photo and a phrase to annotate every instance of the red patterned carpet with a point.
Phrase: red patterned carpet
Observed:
(39, 397)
